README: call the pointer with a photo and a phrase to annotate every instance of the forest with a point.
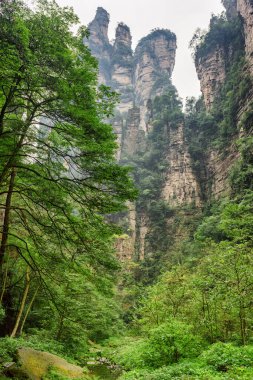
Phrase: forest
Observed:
(186, 310)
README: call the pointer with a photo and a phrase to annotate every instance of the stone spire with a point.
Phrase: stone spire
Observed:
(123, 35)
(99, 44)
(99, 26)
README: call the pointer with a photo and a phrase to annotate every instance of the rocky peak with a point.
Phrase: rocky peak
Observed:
(99, 44)
(154, 64)
(160, 45)
(123, 35)
(122, 49)
(122, 66)
(99, 26)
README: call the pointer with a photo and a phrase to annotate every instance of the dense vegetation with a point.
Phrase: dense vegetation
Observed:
(59, 179)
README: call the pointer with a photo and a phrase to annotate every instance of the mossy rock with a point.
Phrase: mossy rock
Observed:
(36, 364)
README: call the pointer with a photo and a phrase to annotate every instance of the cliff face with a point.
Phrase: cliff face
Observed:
(213, 65)
(134, 75)
(154, 64)
(99, 43)
(140, 77)
(154, 60)
(181, 186)
(218, 170)
(211, 70)
(122, 67)
(245, 8)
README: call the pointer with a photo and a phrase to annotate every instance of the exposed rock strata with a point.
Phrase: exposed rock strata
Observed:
(211, 70)
(131, 132)
(142, 75)
(99, 43)
(218, 166)
(154, 57)
(122, 67)
(245, 8)
(181, 185)
(134, 75)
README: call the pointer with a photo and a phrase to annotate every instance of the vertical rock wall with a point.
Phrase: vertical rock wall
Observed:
(245, 9)
(139, 77)
(99, 43)
(135, 76)
(154, 64)
(211, 70)
(181, 185)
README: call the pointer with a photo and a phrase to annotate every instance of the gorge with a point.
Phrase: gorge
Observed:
(126, 218)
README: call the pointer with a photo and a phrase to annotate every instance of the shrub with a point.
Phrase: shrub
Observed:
(169, 343)
(223, 356)
(184, 371)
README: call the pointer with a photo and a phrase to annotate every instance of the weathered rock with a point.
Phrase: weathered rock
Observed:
(154, 64)
(130, 143)
(99, 44)
(218, 169)
(137, 76)
(181, 185)
(211, 70)
(245, 8)
(35, 364)
(122, 67)
(154, 56)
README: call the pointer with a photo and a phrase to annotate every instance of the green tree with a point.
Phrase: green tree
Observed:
(58, 173)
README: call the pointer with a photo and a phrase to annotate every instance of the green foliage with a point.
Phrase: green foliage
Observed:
(38, 340)
(165, 33)
(59, 181)
(2, 313)
(169, 343)
(219, 361)
(164, 345)
(53, 374)
(184, 371)
(122, 55)
(241, 176)
(222, 356)
(222, 33)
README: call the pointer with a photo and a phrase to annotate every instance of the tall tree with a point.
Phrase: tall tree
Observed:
(58, 172)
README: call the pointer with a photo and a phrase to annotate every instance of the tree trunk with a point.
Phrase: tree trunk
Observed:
(28, 310)
(22, 306)
(4, 281)
(6, 222)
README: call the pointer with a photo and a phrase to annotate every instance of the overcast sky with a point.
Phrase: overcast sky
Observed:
(182, 17)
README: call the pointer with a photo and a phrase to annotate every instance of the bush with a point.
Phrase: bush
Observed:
(184, 371)
(169, 343)
(223, 357)
(166, 344)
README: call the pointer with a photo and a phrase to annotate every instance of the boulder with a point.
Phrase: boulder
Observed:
(35, 364)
